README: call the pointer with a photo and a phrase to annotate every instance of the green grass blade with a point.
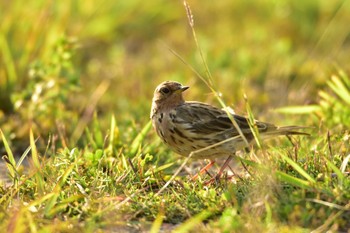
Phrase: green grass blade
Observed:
(94, 135)
(157, 223)
(35, 156)
(158, 169)
(193, 222)
(336, 170)
(344, 77)
(90, 138)
(63, 205)
(299, 109)
(137, 142)
(297, 168)
(11, 162)
(340, 89)
(31, 222)
(51, 203)
(40, 201)
(56, 192)
(8, 60)
(293, 180)
(163, 167)
(112, 135)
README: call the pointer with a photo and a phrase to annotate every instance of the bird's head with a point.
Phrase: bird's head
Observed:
(168, 95)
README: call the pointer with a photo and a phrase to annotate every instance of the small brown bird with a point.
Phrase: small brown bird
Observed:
(205, 130)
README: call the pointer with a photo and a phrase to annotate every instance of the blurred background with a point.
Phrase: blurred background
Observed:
(65, 62)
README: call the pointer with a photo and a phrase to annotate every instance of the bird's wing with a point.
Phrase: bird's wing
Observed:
(205, 119)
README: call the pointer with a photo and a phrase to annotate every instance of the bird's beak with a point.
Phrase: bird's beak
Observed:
(181, 89)
(184, 88)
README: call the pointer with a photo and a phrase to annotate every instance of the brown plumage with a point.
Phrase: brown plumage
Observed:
(188, 126)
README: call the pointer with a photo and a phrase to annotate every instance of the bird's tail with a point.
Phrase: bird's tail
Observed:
(293, 130)
(285, 130)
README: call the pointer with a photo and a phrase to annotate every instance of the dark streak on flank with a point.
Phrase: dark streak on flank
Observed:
(190, 140)
(172, 116)
(173, 138)
(160, 119)
(201, 139)
(180, 133)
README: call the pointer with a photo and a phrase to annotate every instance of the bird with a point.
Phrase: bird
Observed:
(203, 131)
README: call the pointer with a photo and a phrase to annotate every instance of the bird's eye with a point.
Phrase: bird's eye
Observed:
(165, 90)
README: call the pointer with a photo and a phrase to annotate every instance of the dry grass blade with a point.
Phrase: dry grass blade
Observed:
(329, 204)
(345, 163)
(208, 80)
(174, 175)
(189, 14)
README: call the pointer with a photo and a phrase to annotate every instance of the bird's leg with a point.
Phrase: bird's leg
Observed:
(224, 166)
(203, 170)
(218, 175)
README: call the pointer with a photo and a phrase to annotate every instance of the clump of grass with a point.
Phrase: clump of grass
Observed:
(92, 187)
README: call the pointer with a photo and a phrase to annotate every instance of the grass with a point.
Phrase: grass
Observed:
(80, 153)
